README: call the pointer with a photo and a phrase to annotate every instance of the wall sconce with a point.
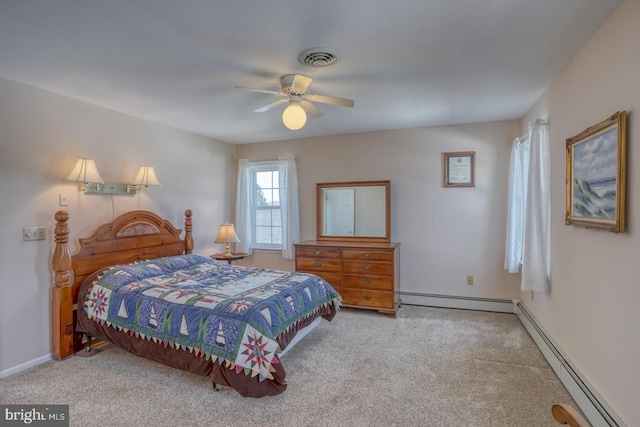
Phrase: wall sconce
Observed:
(227, 235)
(86, 173)
(146, 178)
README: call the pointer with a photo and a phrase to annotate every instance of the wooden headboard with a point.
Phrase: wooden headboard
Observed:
(133, 236)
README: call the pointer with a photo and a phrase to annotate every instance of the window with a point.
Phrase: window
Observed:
(267, 213)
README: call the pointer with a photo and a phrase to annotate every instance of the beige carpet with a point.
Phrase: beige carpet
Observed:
(428, 367)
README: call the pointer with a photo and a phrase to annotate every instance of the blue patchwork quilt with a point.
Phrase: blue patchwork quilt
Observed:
(223, 312)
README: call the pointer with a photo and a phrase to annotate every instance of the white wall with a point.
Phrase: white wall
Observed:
(446, 233)
(41, 136)
(592, 310)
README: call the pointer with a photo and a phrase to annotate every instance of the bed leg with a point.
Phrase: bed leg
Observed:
(215, 386)
(88, 351)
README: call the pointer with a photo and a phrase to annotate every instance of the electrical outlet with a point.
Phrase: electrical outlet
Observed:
(33, 233)
(469, 280)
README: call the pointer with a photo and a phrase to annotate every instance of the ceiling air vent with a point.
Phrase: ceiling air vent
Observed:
(319, 57)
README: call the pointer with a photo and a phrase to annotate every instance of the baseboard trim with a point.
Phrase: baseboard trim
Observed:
(594, 407)
(451, 301)
(24, 366)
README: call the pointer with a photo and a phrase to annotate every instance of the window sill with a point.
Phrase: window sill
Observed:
(266, 250)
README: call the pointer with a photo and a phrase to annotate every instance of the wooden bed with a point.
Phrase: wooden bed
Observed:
(133, 236)
(140, 236)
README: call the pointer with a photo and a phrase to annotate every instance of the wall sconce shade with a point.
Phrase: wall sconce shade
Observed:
(294, 117)
(85, 172)
(146, 177)
(226, 235)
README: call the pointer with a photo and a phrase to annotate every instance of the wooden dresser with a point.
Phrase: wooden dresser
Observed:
(367, 275)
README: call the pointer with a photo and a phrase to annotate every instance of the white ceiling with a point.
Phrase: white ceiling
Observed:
(406, 63)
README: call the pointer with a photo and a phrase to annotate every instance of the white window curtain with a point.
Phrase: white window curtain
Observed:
(243, 224)
(289, 206)
(528, 218)
(518, 173)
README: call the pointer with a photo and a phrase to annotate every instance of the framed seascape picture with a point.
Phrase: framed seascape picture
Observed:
(596, 175)
(459, 169)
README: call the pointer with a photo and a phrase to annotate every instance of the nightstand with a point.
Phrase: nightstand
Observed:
(234, 256)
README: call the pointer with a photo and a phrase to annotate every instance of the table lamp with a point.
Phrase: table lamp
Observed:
(227, 235)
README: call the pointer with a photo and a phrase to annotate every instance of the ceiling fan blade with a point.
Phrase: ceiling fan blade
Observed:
(271, 105)
(301, 83)
(271, 92)
(310, 109)
(343, 102)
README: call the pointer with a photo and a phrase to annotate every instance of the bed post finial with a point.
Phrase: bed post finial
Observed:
(188, 236)
(62, 305)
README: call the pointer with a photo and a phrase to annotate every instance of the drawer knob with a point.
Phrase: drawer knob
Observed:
(366, 267)
(317, 264)
(366, 281)
(366, 297)
(318, 252)
(366, 254)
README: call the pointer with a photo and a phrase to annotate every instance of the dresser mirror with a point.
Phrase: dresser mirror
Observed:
(353, 211)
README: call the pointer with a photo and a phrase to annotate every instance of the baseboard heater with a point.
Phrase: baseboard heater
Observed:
(451, 301)
(590, 402)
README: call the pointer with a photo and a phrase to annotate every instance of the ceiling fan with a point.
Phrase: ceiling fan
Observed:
(293, 91)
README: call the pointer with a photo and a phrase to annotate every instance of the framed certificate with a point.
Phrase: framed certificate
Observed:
(459, 169)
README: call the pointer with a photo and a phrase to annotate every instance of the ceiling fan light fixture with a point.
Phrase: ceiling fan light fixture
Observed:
(294, 117)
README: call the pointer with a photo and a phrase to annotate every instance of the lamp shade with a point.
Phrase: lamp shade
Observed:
(86, 172)
(227, 234)
(294, 117)
(146, 177)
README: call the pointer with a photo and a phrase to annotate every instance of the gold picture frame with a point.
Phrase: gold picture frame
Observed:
(596, 175)
(459, 169)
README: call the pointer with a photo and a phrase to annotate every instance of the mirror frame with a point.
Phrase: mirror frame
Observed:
(359, 239)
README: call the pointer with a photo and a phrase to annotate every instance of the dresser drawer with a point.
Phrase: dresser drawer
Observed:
(334, 279)
(364, 254)
(318, 264)
(366, 268)
(368, 282)
(369, 298)
(318, 252)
